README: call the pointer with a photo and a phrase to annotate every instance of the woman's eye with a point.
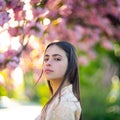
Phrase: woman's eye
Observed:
(58, 59)
(45, 59)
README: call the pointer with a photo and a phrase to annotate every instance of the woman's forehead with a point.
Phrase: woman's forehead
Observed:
(54, 49)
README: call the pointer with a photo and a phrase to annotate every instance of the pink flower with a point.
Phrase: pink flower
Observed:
(83, 60)
(83, 46)
(19, 15)
(4, 18)
(9, 59)
(2, 61)
(75, 34)
(32, 2)
(39, 12)
(72, 36)
(107, 44)
(15, 31)
(35, 29)
(79, 31)
(12, 3)
(2, 5)
(53, 4)
(9, 54)
(2, 58)
(19, 12)
(65, 10)
(13, 63)
(92, 1)
(92, 54)
(117, 33)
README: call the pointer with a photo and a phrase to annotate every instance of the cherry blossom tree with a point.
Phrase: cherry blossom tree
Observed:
(27, 26)
(34, 23)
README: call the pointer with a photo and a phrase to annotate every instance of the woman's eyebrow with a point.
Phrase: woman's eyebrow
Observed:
(54, 55)
(46, 55)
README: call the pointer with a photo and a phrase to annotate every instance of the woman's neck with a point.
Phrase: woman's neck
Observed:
(56, 84)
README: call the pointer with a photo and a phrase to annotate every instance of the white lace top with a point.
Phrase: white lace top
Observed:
(68, 109)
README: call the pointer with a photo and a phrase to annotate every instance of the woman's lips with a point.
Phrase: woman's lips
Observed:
(47, 71)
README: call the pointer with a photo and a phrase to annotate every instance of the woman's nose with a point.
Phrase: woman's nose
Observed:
(48, 63)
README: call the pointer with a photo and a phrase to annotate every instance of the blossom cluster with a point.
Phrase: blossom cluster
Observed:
(15, 5)
(34, 23)
(83, 23)
(9, 59)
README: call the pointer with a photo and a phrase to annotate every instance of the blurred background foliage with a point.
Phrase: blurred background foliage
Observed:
(100, 87)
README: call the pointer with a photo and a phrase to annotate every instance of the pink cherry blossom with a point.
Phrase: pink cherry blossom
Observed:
(72, 36)
(92, 1)
(83, 60)
(8, 59)
(35, 29)
(59, 29)
(32, 2)
(117, 33)
(4, 18)
(2, 58)
(107, 44)
(92, 54)
(13, 63)
(2, 5)
(19, 12)
(75, 35)
(82, 22)
(10, 54)
(53, 4)
(19, 15)
(78, 31)
(65, 10)
(12, 3)
(15, 31)
(69, 2)
(53, 35)
(39, 12)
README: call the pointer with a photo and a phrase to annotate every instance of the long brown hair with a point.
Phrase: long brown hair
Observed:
(71, 73)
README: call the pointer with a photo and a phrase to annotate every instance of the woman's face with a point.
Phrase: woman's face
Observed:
(55, 63)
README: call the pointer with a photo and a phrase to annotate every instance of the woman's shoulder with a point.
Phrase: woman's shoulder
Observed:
(66, 109)
(67, 94)
(72, 104)
(67, 98)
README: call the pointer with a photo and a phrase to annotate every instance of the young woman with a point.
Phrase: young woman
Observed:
(61, 71)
